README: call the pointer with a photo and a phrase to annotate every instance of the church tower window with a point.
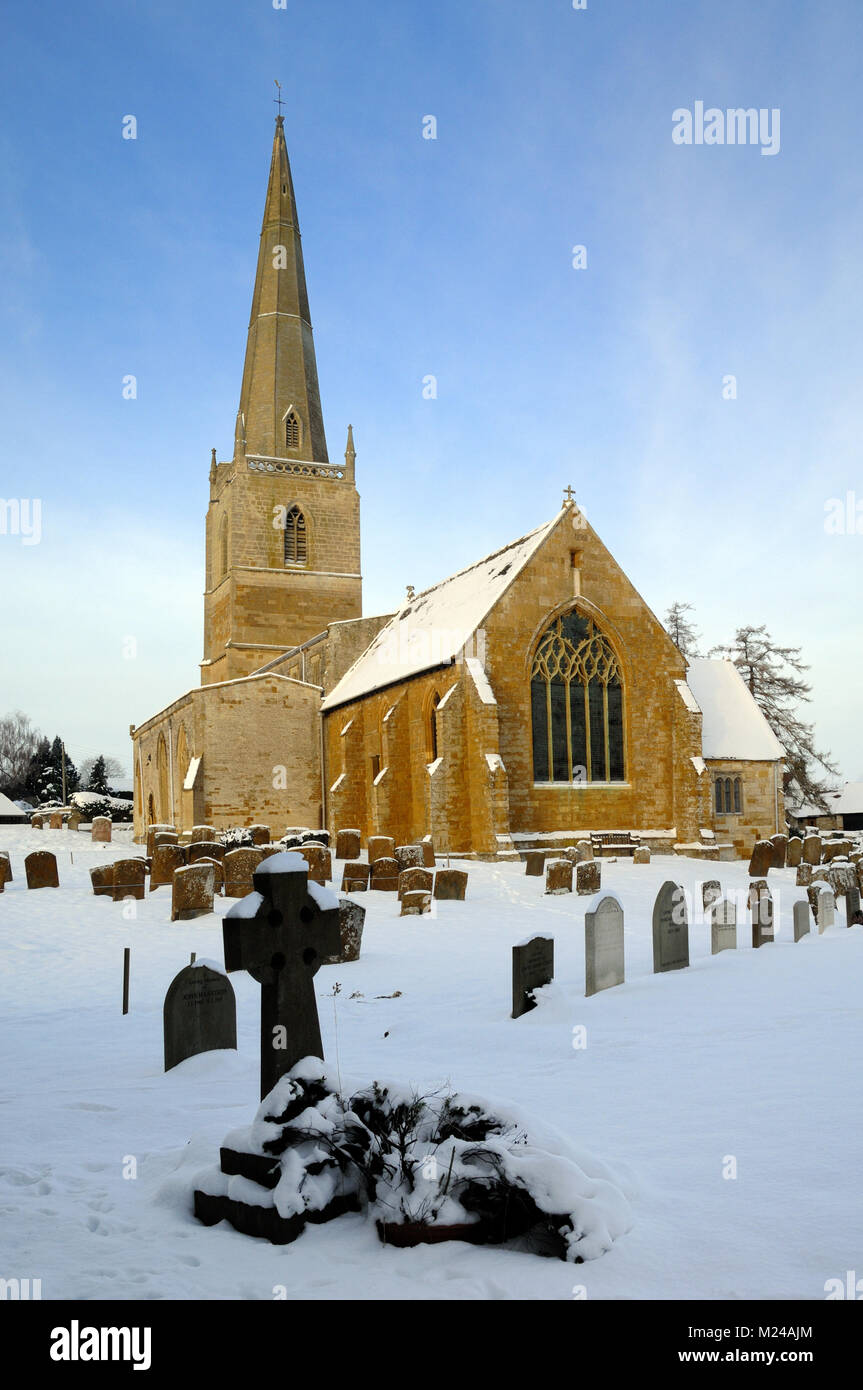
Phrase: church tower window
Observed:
(292, 430)
(576, 704)
(296, 540)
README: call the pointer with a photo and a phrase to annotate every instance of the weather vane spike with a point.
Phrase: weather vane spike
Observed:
(277, 101)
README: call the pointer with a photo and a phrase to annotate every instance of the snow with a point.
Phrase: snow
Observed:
(324, 897)
(748, 1053)
(432, 629)
(481, 681)
(286, 863)
(248, 907)
(733, 725)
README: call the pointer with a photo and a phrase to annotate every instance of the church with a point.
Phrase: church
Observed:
(525, 701)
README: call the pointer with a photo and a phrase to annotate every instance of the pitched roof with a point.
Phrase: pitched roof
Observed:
(10, 812)
(844, 801)
(431, 629)
(733, 725)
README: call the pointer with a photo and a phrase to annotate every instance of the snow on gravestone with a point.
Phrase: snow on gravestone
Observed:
(723, 926)
(670, 929)
(603, 946)
(199, 1014)
(761, 910)
(532, 967)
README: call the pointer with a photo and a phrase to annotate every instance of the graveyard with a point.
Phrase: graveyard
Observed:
(682, 1033)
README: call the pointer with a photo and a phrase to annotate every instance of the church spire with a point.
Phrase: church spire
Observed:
(280, 412)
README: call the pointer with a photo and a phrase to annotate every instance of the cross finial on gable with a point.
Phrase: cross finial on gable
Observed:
(277, 101)
(568, 496)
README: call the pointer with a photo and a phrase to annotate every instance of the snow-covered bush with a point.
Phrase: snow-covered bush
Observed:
(91, 804)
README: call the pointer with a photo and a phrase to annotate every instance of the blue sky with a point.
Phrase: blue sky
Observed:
(450, 257)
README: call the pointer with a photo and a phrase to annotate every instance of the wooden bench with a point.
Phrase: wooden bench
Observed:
(613, 842)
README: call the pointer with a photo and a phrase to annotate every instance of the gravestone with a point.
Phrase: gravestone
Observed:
(199, 1014)
(641, 854)
(836, 849)
(408, 857)
(812, 849)
(762, 858)
(36, 822)
(826, 909)
(280, 934)
(129, 879)
(603, 946)
(152, 832)
(380, 847)
(802, 920)
(558, 876)
(415, 902)
(588, 878)
(320, 862)
(102, 879)
(670, 929)
(218, 874)
(761, 911)
(711, 892)
(4, 855)
(428, 852)
(568, 853)
(415, 880)
(534, 863)
(355, 877)
(532, 967)
(203, 833)
(795, 852)
(100, 831)
(260, 834)
(192, 892)
(239, 866)
(74, 820)
(352, 917)
(804, 875)
(723, 926)
(164, 837)
(206, 849)
(41, 869)
(56, 822)
(780, 849)
(384, 876)
(853, 915)
(450, 885)
(348, 844)
(583, 851)
(5, 871)
(166, 858)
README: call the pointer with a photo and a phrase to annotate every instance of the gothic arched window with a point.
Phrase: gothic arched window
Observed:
(296, 546)
(737, 796)
(431, 740)
(576, 693)
(292, 430)
(717, 787)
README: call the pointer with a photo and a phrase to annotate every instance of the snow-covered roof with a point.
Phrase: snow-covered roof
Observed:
(431, 629)
(847, 801)
(9, 811)
(733, 725)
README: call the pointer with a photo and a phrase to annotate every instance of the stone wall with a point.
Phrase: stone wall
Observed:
(762, 813)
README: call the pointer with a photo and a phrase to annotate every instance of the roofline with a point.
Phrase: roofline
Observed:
(387, 685)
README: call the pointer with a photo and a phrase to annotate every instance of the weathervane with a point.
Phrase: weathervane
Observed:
(277, 101)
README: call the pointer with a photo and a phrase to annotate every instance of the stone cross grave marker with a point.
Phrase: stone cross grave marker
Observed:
(670, 929)
(603, 946)
(199, 1014)
(532, 967)
(723, 926)
(281, 933)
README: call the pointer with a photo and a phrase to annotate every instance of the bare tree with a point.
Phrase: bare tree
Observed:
(773, 675)
(18, 742)
(113, 772)
(681, 631)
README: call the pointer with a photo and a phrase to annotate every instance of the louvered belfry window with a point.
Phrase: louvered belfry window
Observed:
(292, 431)
(296, 547)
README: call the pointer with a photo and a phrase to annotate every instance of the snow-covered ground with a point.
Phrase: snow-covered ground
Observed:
(751, 1056)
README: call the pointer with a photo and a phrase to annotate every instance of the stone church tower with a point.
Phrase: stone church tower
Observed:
(283, 525)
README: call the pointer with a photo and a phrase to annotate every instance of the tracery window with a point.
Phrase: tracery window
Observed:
(728, 796)
(292, 430)
(576, 704)
(296, 548)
